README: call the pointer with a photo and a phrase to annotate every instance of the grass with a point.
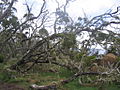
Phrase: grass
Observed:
(45, 77)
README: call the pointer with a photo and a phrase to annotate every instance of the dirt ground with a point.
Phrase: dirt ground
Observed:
(7, 86)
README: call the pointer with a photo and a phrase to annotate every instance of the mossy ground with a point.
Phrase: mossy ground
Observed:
(44, 75)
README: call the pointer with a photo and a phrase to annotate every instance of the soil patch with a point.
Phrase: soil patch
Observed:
(7, 86)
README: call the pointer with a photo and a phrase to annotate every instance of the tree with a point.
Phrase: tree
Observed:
(29, 40)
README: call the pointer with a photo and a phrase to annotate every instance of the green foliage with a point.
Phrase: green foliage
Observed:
(79, 56)
(20, 46)
(118, 58)
(89, 59)
(100, 36)
(46, 78)
(5, 76)
(14, 21)
(73, 85)
(43, 32)
(69, 41)
(65, 73)
(6, 23)
(11, 21)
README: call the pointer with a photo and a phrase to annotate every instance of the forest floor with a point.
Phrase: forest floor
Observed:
(43, 75)
(8, 86)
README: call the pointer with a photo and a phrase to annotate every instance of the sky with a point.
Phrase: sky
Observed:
(93, 7)
(75, 9)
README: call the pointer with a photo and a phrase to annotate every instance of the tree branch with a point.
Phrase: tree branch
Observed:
(62, 82)
(6, 12)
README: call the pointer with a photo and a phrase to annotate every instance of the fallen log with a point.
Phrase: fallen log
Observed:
(62, 82)
(44, 87)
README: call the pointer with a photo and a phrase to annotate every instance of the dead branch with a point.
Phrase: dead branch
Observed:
(63, 82)
(30, 19)
(28, 54)
(46, 87)
(6, 12)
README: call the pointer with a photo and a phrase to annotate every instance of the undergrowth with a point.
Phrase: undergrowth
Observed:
(44, 77)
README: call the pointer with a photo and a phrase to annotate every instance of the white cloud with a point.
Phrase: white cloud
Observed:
(20, 8)
(91, 7)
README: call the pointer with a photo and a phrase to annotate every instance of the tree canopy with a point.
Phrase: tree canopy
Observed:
(28, 42)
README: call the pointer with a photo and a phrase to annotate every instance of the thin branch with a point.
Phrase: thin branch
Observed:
(32, 18)
(6, 12)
